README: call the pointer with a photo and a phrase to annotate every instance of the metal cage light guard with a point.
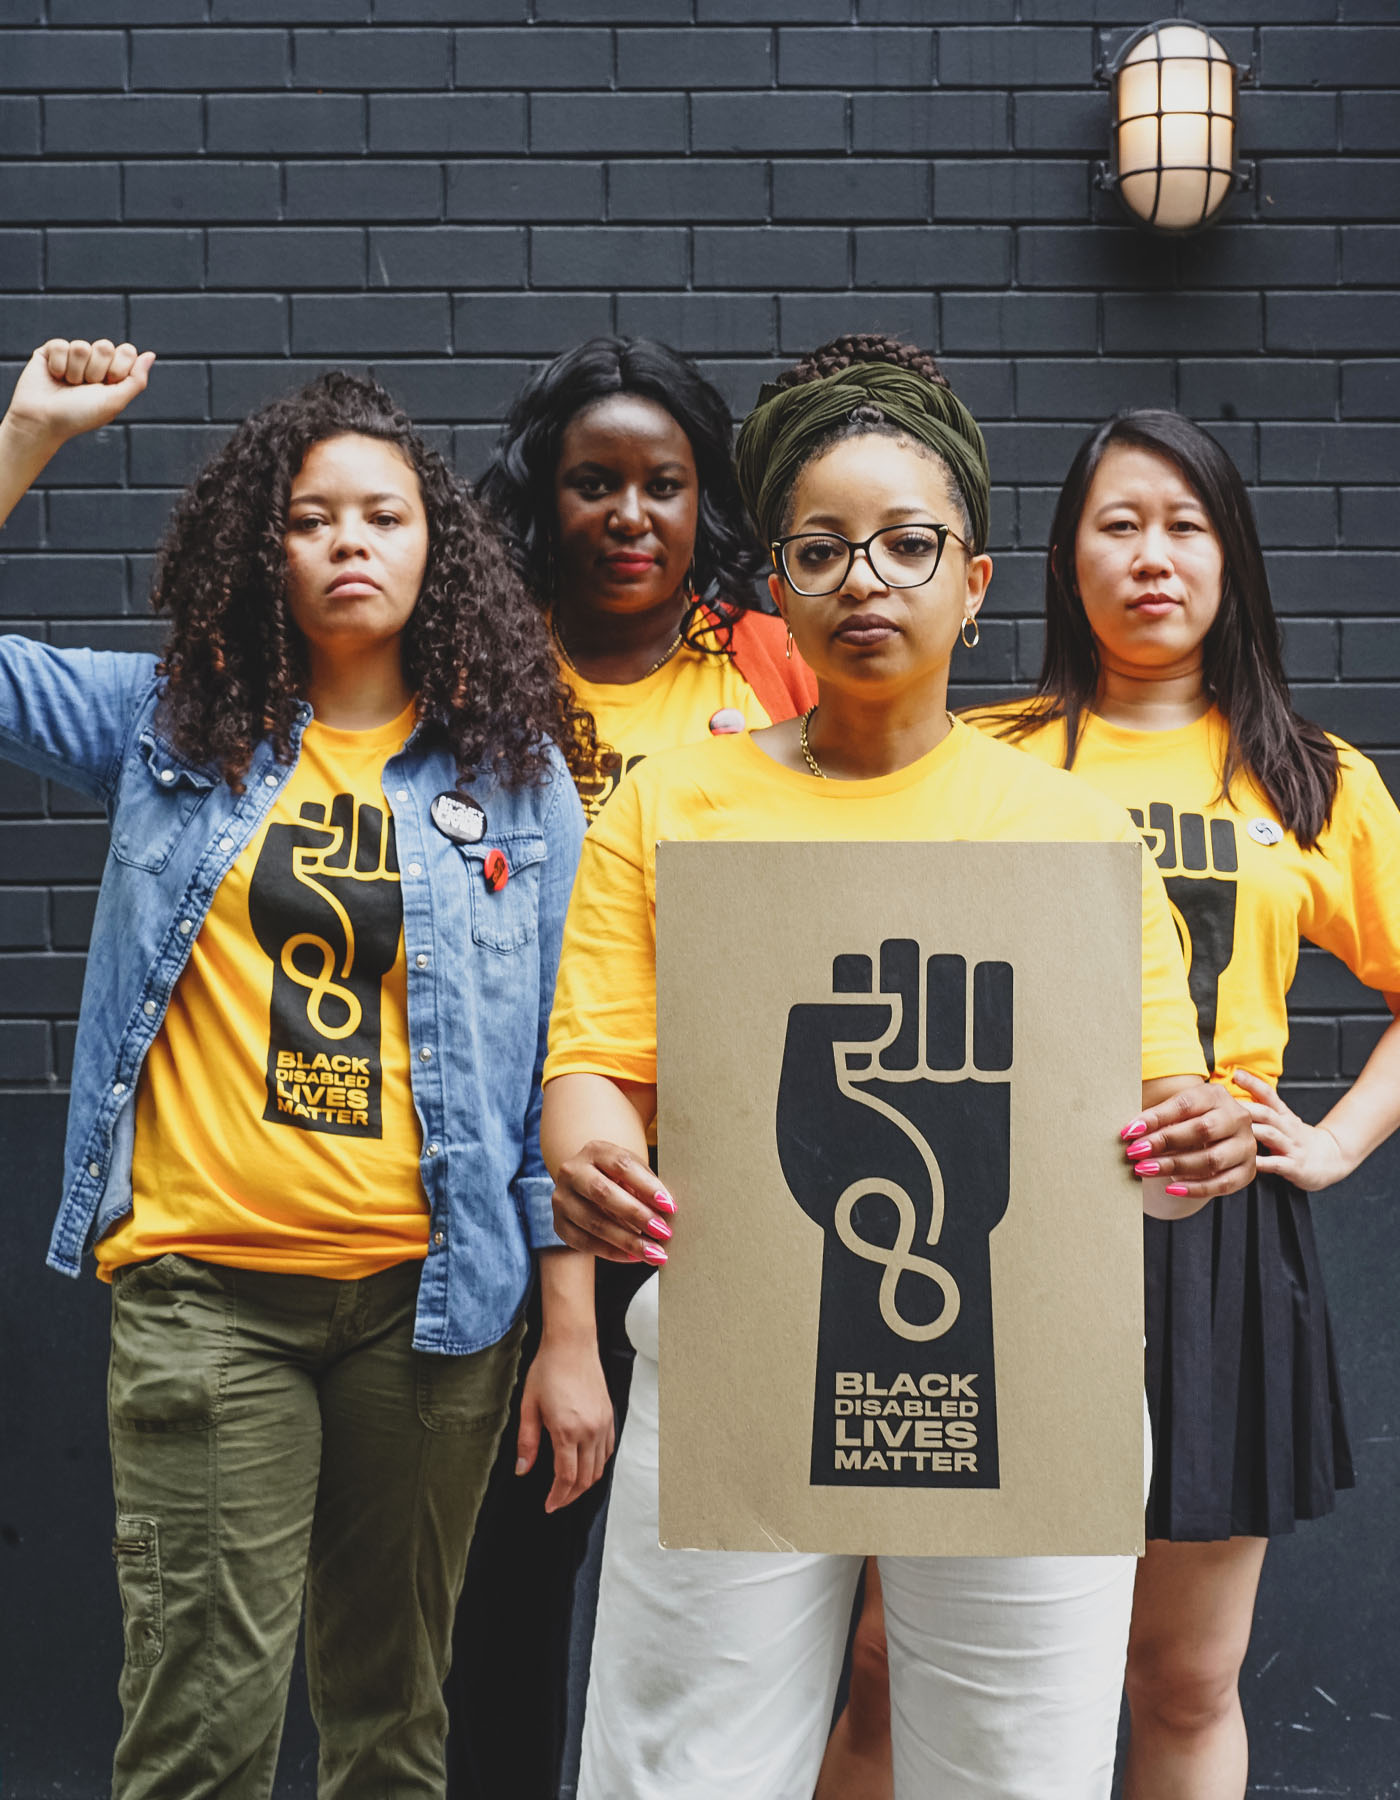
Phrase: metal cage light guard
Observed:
(1174, 89)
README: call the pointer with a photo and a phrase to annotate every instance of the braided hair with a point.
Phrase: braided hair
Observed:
(862, 347)
(868, 419)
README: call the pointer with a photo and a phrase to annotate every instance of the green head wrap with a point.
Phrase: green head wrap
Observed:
(787, 423)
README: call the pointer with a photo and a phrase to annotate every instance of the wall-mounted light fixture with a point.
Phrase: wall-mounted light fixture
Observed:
(1174, 88)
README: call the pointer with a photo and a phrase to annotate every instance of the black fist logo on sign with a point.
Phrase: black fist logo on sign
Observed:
(894, 1134)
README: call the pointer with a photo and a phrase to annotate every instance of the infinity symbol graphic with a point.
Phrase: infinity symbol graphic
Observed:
(320, 985)
(897, 1261)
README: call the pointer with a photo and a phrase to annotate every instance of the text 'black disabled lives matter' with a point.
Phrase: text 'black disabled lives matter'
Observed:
(327, 909)
(894, 1134)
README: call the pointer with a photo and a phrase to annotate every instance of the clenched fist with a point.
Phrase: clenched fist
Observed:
(70, 386)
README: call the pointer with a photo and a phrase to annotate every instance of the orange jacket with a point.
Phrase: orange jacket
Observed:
(784, 684)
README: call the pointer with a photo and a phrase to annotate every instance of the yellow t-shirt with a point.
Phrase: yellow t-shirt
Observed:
(275, 1126)
(967, 788)
(1242, 890)
(685, 700)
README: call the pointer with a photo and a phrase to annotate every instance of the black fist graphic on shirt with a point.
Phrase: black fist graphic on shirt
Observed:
(327, 908)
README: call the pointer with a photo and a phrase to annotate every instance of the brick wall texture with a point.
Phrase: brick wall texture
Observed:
(448, 191)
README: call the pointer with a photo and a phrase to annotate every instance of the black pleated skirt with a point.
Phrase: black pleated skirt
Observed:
(1248, 1433)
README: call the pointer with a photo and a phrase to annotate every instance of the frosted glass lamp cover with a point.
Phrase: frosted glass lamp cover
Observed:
(1174, 131)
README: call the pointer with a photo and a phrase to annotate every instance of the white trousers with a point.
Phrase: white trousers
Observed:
(714, 1672)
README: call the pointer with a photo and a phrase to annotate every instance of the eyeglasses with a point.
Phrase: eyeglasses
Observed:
(900, 556)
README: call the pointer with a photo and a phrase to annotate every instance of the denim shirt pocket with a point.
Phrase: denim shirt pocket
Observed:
(160, 794)
(506, 918)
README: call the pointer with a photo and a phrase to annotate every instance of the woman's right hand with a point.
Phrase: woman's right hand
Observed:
(70, 386)
(608, 1202)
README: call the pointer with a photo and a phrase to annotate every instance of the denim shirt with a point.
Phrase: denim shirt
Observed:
(481, 964)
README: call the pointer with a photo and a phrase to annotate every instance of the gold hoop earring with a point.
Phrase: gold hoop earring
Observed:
(788, 651)
(976, 638)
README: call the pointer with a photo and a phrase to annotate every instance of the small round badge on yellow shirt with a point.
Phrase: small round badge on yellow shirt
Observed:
(1265, 831)
(457, 816)
(727, 721)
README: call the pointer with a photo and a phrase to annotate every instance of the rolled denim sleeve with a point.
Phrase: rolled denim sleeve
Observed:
(68, 713)
(563, 827)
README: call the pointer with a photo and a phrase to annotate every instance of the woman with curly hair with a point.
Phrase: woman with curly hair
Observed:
(615, 481)
(303, 1134)
(714, 1673)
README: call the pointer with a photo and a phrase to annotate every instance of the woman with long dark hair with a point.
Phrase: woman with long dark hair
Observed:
(714, 1674)
(614, 480)
(1163, 685)
(303, 1133)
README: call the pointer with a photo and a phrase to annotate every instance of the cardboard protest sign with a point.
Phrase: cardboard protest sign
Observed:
(903, 1308)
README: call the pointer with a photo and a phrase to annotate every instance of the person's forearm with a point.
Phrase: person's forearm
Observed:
(566, 1298)
(1369, 1111)
(23, 457)
(579, 1109)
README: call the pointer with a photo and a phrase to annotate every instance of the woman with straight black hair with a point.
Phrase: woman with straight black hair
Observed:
(614, 480)
(1163, 685)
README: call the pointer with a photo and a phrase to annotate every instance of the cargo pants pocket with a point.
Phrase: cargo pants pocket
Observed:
(136, 1552)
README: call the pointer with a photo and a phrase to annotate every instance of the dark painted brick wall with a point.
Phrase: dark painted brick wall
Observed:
(448, 191)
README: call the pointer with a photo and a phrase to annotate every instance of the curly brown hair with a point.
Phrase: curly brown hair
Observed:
(862, 347)
(475, 650)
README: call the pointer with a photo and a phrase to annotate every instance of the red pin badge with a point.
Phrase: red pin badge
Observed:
(495, 870)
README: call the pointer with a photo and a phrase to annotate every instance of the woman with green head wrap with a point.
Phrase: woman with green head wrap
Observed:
(713, 1674)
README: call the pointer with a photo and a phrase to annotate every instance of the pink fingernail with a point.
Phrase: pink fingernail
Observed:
(1134, 1130)
(658, 1228)
(1148, 1168)
(664, 1201)
(653, 1253)
(1143, 1147)
(1177, 1187)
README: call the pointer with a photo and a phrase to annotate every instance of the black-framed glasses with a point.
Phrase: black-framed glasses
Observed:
(900, 556)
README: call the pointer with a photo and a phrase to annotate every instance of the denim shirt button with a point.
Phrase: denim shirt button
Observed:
(439, 1238)
(425, 1054)
(269, 781)
(167, 775)
(401, 793)
(420, 961)
(94, 1169)
(149, 1008)
(119, 1088)
(433, 1149)
(415, 869)
(186, 927)
(226, 844)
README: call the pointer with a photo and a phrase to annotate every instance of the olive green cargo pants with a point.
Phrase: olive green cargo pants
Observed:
(274, 1436)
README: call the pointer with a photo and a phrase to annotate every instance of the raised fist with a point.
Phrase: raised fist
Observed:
(70, 386)
(894, 1136)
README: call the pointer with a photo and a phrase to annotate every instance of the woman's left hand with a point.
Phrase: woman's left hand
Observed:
(565, 1394)
(1307, 1155)
(1200, 1143)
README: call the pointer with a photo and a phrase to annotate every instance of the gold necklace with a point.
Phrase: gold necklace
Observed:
(660, 662)
(805, 747)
